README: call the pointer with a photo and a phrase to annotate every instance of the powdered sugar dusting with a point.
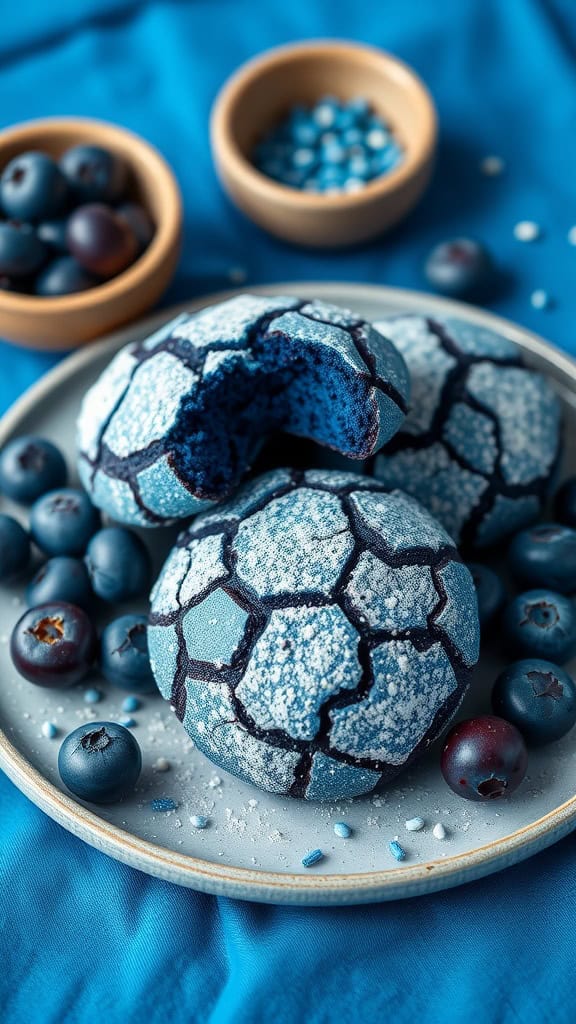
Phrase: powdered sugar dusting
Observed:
(303, 657)
(386, 727)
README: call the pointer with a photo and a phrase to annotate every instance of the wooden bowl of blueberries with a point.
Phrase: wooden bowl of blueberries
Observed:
(90, 230)
(324, 144)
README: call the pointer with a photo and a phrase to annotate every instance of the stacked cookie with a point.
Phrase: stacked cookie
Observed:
(316, 629)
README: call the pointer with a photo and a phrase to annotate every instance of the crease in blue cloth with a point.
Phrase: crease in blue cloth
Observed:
(83, 938)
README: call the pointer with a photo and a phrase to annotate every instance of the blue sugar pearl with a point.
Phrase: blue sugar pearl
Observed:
(49, 730)
(541, 624)
(545, 556)
(312, 858)
(489, 591)
(303, 158)
(359, 167)
(359, 107)
(334, 153)
(163, 803)
(342, 830)
(92, 696)
(305, 133)
(397, 851)
(198, 821)
(128, 723)
(130, 704)
(353, 137)
(538, 697)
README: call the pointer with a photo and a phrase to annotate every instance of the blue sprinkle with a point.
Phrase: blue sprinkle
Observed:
(92, 696)
(352, 137)
(342, 830)
(130, 704)
(163, 803)
(312, 858)
(397, 851)
(128, 723)
(198, 821)
(49, 730)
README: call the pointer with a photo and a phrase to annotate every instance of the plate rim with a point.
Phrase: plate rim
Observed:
(397, 882)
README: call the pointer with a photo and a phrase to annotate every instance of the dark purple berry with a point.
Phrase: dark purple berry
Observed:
(484, 758)
(538, 697)
(62, 522)
(124, 656)
(21, 251)
(101, 240)
(61, 579)
(565, 502)
(541, 624)
(119, 564)
(30, 466)
(14, 548)
(94, 174)
(32, 187)
(54, 644)
(460, 267)
(100, 762)
(545, 556)
(140, 221)
(64, 276)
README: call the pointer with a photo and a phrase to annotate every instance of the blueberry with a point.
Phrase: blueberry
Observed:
(32, 187)
(565, 503)
(53, 234)
(14, 548)
(545, 555)
(461, 268)
(94, 174)
(484, 758)
(21, 251)
(61, 579)
(53, 644)
(30, 466)
(64, 276)
(538, 697)
(118, 564)
(140, 222)
(62, 522)
(100, 762)
(101, 240)
(489, 591)
(541, 624)
(124, 654)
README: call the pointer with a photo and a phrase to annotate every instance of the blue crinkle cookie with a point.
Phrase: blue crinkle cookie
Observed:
(483, 436)
(174, 422)
(315, 633)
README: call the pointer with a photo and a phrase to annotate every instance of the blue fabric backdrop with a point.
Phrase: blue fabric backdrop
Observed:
(84, 938)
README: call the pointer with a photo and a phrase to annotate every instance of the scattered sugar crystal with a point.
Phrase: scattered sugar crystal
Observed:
(492, 166)
(527, 231)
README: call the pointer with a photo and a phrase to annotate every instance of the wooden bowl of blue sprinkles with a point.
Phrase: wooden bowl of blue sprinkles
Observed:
(324, 144)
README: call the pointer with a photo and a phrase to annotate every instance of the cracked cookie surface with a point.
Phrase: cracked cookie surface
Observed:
(314, 633)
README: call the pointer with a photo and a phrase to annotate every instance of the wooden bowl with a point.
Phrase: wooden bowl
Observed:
(66, 321)
(262, 91)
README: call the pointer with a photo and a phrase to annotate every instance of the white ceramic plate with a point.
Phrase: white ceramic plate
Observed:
(254, 843)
